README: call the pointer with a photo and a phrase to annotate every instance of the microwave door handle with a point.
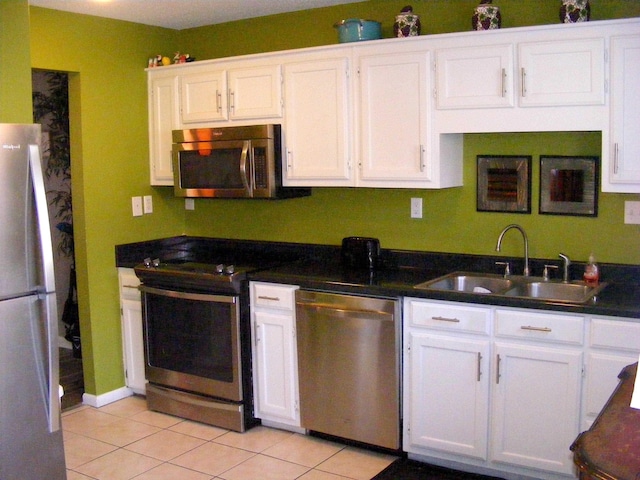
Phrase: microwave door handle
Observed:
(243, 168)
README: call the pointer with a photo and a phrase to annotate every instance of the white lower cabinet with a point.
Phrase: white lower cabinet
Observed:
(613, 343)
(132, 338)
(447, 378)
(494, 389)
(274, 352)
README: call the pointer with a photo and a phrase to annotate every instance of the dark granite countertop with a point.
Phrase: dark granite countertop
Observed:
(319, 267)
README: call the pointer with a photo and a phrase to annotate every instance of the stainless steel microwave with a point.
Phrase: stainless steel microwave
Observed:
(230, 162)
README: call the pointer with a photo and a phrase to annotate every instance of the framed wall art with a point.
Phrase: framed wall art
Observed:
(504, 184)
(569, 185)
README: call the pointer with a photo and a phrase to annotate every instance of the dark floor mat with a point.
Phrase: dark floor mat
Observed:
(405, 469)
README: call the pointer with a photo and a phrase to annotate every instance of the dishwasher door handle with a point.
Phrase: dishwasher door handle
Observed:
(346, 312)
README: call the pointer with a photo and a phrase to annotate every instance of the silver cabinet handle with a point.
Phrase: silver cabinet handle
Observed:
(503, 85)
(535, 329)
(273, 299)
(422, 158)
(218, 101)
(446, 319)
(523, 75)
(479, 366)
(616, 153)
(498, 369)
(232, 100)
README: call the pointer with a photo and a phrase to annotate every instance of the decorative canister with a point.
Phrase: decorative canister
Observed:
(573, 11)
(407, 23)
(486, 16)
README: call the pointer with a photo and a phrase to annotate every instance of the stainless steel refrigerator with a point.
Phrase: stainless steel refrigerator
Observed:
(30, 432)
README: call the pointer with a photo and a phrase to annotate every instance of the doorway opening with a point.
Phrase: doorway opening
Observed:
(51, 111)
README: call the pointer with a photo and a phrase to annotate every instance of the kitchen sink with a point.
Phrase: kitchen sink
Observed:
(575, 292)
(535, 288)
(468, 282)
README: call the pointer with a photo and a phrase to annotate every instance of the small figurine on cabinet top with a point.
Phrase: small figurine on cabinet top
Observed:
(182, 58)
(486, 16)
(407, 23)
(573, 11)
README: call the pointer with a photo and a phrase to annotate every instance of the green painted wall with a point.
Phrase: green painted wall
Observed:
(15, 74)
(108, 102)
(106, 59)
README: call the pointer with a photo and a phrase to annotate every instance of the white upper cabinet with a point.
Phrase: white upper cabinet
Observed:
(233, 94)
(560, 72)
(621, 173)
(255, 92)
(394, 120)
(163, 117)
(475, 77)
(317, 138)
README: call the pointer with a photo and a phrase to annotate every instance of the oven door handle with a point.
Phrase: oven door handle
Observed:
(204, 297)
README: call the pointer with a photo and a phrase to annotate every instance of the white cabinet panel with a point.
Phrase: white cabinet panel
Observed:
(274, 352)
(163, 118)
(475, 77)
(562, 72)
(449, 385)
(132, 336)
(255, 92)
(317, 123)
(394, 99)
(535, 404)
(622, 172)
(203, 96)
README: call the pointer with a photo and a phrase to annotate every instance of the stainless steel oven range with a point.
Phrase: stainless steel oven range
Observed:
(196, 341)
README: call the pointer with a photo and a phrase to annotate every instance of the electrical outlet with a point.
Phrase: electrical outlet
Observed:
(632, 212)
(189, 204)
(416, 208)
(136, 206)
(148, 204)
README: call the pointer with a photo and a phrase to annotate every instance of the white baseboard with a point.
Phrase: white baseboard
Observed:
(106, 398)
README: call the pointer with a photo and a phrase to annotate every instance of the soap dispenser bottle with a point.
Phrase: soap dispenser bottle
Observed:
(591, 272)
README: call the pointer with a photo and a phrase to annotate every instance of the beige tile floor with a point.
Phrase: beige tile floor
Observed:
(124, 440)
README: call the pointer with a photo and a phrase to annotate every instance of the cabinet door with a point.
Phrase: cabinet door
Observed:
(475, 77)
(623, 173)
(275, 354)
(562, 73)
(316, 121)
(394, 94)
(255, 93)
(448, 389)
(133, 345)
(163, 118)
(203, 96)
(536, 405)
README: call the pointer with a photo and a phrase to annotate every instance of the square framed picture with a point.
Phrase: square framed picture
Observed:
(569, 185)
(504, 184)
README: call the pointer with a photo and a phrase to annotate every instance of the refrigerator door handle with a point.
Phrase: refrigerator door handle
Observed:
(51, 308)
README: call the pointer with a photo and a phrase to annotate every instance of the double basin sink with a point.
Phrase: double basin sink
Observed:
(515, 286)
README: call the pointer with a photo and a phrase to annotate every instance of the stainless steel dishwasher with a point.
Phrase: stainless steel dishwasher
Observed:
(349, 366)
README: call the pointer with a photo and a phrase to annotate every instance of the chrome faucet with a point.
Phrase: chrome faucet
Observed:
(526, 245)
(565, 268)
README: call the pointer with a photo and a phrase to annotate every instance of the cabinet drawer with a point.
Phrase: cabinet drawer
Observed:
(271, 295)
(440, 316)
(129, 284)
(546, 327)
(617, 334)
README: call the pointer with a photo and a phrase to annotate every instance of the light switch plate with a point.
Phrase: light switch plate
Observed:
(632, 212)
(189, 204)
(147, 204)
(416, 208)
(136, 206)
